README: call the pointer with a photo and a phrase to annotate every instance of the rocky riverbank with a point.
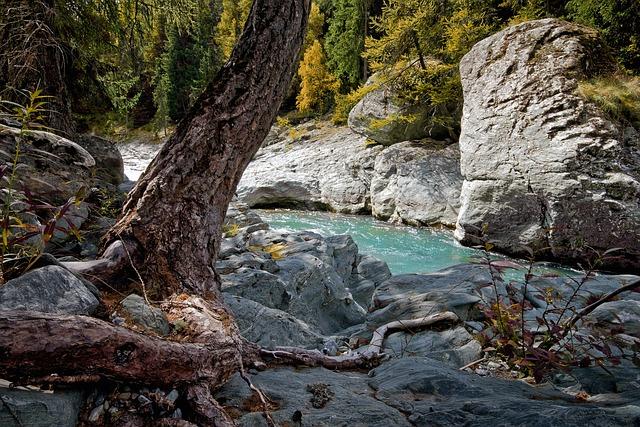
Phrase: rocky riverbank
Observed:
(333, 168)
(303, 289)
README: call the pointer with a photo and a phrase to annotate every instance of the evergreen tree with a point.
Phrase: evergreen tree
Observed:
(344, 41)
(234, 15)
(619, 23)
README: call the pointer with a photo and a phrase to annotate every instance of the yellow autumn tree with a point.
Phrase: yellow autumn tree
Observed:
(318, 86)
(234, 15)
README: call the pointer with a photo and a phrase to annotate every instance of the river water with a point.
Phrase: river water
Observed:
(405, 249)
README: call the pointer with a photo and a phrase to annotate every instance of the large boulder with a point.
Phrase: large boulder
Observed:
(331, 169)
(51, 167)
(543, 167)
(417, 183)
(50, 289)
(381, 116)
(109, 163)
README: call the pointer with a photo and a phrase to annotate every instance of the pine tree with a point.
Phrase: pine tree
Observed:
(344, 42)
(318, 84)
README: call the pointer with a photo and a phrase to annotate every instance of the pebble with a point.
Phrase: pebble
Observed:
(143, 400)
(494, 365)
(96, 414)
(482, 372)
(124, 396)
(173, 395)
(177, 413)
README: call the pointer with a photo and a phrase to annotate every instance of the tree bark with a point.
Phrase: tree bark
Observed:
(170, 231)
(175, 212)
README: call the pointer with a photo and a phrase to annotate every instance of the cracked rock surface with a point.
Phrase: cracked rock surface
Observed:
(542, 166)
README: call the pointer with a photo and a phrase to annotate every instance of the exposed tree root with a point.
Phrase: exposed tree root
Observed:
(367, 359)
(109, 267)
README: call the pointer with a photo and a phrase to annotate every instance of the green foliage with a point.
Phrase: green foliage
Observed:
(318, 85)
(344, 42)
(121, 90)
(345, 103)
(234, 15)
(619, 23)
(618, 96)
(421, 45)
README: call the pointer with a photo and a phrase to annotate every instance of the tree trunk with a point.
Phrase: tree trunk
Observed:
(171, 231)
(175, 212)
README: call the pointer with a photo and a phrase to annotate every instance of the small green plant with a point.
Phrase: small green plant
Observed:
(230, 230)
(618, 96)
(26, 224)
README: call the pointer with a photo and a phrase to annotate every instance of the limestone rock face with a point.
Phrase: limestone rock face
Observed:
(417, 184)
(333, 174)
(382, 117)
(331, 169)
(542, 166)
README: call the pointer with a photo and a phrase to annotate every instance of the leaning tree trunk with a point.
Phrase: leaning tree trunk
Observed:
(175, 212)
(171, 231)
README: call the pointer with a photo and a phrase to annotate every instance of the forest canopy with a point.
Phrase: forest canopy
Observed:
(133, 63)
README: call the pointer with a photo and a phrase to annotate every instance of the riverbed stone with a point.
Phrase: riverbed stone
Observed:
(454, 346)
(49, 289)
(270, 327)
(109, 163)
(330, 169)
(623, 314)
(20, 408)
(141, 313)
(257, 285)
(544, 167)
(348, 400)
(430, 393)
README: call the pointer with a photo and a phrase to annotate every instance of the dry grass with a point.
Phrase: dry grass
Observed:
(618, 96)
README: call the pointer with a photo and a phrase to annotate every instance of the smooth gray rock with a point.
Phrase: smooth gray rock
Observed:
(109, 163)
(345, 252)
(432, 394)
(369, 273)
(318, 294)
(39, 409)
(417, 183)
(53, 168)
(542, 166)
(330, 170)
(455, 347)
(350, 401)
(144, 315)
(50, 289)
(382, 117)
(269, 327)
(257, 285)
(623, 313)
